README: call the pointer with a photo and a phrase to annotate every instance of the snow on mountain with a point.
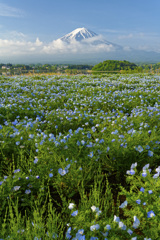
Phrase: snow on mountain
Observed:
(78, 34)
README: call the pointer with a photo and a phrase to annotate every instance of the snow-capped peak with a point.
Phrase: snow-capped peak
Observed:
(78, 34)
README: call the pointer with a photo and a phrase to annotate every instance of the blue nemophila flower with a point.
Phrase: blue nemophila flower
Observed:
(104, 234)
(138, 201)
(114, 132)
(83, 142)
(139, 149)
(158, 169)
(62, 172)
(146, 167)
(36, 160)
(130, 172)
(150, 214)
(124, 204)
(108, 149)
(147, 147)
(101, 141)
(149, 131)
(136, 222)
(16, 188)
(81, 231)
(90, 154)
(98, 213)
(17, 143)
(93, 129)
(150, 153)
(17, 170)
(121, 136)
(1, 183)
(74, 213)
(94, 208)
(144, 174)
(107, 227)
(130, 231)
(134, 165)
(68, 166)
(79, 237)
(89, 135)
(134, 238)
(122, 226)
(28, 191)
(116, 219)
(113, 140)
(37, 176)
(68, 236)
(90, 144)
(94, 227)
(71, 206)
(31, 136)
(150, 191)
(156, 175)
(50, 174)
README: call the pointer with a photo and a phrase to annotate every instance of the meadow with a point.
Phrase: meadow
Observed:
(79, 157)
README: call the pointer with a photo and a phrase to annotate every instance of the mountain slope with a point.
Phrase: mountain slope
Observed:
(78, 34)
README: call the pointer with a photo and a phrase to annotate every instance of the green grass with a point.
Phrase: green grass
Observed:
(73, 140)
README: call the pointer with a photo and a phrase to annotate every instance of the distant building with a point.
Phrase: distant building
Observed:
(5, 67)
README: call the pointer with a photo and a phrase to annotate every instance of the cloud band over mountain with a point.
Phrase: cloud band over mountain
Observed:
(79, 45)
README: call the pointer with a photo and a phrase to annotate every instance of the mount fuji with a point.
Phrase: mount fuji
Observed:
(84, 35)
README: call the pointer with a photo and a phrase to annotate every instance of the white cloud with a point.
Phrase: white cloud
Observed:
(16, 46)
(19, 46)
(8, 11)
(90, 45)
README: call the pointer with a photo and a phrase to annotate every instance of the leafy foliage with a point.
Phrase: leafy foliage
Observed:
(115, 65)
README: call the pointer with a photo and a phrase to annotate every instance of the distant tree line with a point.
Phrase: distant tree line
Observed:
(150, 67)
(106, 66)
(11, 69)
(80, 67)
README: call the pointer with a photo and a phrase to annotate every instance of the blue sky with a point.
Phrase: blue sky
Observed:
(124, 22)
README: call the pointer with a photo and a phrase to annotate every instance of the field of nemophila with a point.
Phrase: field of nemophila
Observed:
(79, 157)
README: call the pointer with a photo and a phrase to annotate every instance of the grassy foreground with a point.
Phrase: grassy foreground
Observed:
(79, 157)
